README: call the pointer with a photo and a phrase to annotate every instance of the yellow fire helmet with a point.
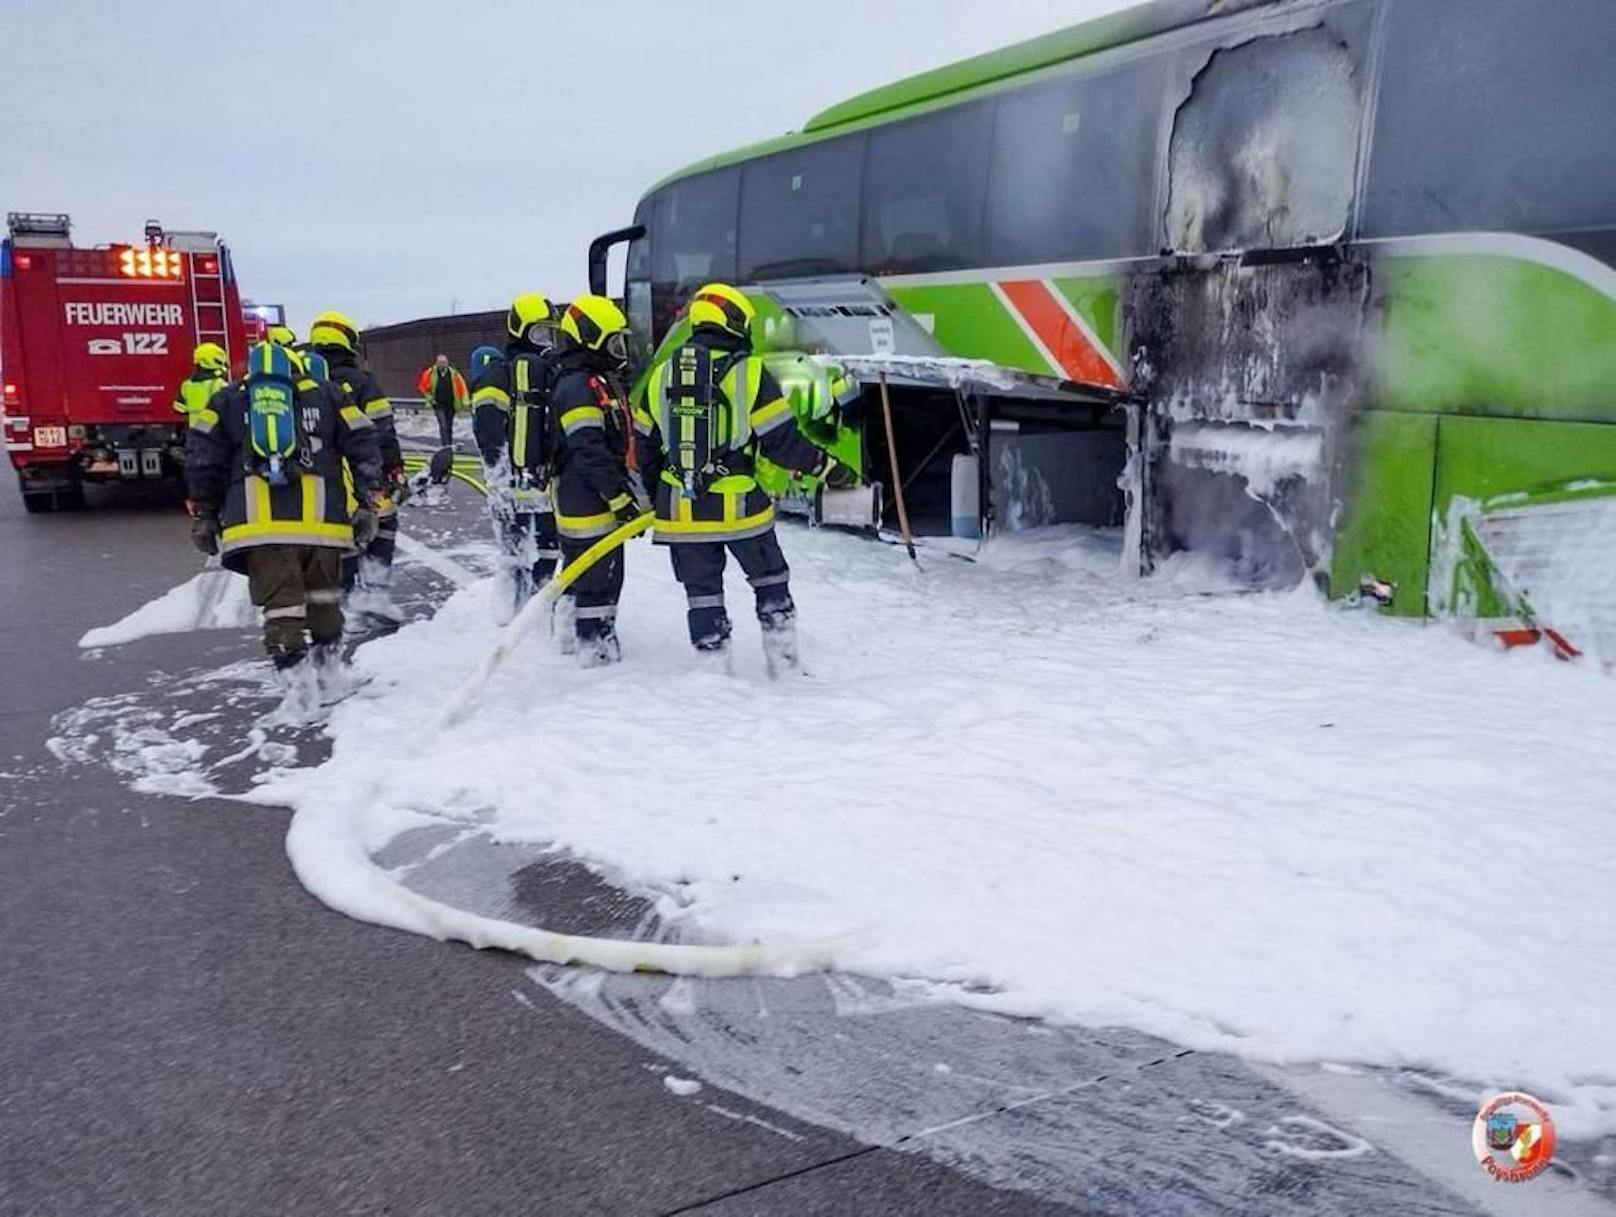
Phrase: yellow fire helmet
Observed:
(722, 305)
(334, 330)
(281, 336)
(527, 311)
(596, 324)
(210, 357)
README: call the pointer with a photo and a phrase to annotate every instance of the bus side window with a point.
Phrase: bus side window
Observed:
(1264, 149)
(695, 238)
(800, 210)
(1496, 117)
(925, 184)
(637, 282)
(1074, 168)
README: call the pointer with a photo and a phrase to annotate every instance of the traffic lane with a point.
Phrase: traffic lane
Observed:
(67, 572)
(187, 1031)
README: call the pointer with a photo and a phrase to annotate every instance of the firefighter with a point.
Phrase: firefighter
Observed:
(336, 338)
(444, 389)
(514, 428)
(210, 372)
(281, 336)
(264, 465)
(593, 493)
(710, 407)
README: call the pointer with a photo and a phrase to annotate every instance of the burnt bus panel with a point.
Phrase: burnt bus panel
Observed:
(1264, 150)
(1250, 360)
(1272, 352)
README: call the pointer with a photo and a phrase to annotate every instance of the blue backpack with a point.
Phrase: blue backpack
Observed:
(272, 376)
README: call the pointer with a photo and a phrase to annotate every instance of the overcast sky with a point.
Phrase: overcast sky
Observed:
(397, 160)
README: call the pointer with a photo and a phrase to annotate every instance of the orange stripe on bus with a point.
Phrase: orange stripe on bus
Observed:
(1074, 353)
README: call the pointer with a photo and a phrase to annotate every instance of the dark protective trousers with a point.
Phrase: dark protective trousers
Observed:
(376, 563)
(528, 537)
(446, 416)
(596, 592)
(699, 567)
(299, 589)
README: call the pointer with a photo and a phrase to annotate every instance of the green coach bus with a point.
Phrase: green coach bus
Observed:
(1324, 287)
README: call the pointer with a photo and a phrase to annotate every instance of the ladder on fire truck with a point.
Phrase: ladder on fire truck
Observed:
(207, 286)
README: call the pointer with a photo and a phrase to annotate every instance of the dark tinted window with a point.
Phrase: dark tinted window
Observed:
(693, 239)
(1074, 168)
(639, 250)
(799, 211)
(637, 282)
(1499, 115)
(925, 182)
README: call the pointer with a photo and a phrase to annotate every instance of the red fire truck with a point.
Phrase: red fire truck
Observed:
(93, 344)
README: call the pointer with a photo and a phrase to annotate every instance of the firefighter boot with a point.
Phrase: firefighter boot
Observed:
(564, 621)
(712, 648)
(780, 640)
(333, 674)
(299, 689)
(596, 631)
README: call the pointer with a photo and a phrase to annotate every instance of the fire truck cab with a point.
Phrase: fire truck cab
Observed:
(93, 345)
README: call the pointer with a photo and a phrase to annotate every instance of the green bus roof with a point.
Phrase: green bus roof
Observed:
(945, 85)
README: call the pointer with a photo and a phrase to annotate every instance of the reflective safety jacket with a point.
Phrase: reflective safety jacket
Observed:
(366, 393)
(592, 428)
(726, 504)
(312, 507)
(512, 418)
(427, 385)
(197, 389)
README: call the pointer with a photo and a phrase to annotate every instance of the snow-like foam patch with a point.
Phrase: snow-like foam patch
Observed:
(215, 599)
(1248, 823)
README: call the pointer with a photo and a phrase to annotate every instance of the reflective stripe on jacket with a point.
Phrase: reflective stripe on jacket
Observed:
(312, 507)
(196, 390)
(731, 507)
(428, 385)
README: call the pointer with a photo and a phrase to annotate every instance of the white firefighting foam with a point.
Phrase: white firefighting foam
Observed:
(1248, 823)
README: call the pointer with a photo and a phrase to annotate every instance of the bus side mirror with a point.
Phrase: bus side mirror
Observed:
(600, 249)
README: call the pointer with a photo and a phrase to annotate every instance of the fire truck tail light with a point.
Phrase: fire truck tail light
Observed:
(76, 431)
(209, 266)
(11, 391)
(23, 261)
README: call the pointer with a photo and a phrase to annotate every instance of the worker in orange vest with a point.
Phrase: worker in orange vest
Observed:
(444, 389)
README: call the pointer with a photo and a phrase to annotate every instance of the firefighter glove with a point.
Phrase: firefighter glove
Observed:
(365, 525)
(205, 532)
(835, 474)
(625, 509)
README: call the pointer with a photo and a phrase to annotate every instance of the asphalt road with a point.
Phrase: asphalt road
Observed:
(184, 1031)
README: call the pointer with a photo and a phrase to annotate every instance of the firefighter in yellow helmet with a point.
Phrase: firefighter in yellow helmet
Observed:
(710, 406)
(512, 421)
(593, 492)
(210, 372)
(369, 576)
(264, 470)
(281, 336)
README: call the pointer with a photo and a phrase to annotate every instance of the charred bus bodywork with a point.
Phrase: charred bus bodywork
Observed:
(1352, 262)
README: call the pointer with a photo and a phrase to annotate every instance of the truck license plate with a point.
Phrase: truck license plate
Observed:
(50, 437)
